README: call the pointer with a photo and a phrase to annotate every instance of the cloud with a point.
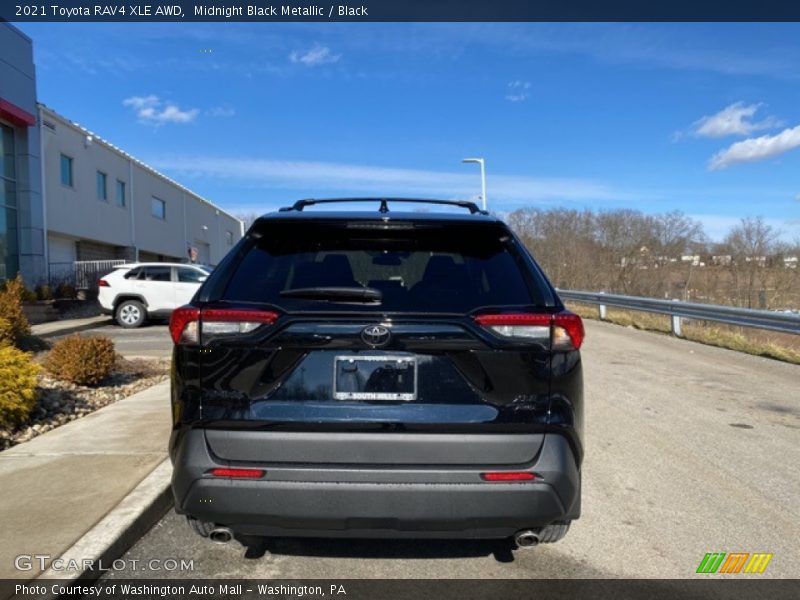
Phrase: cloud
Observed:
(759, 148)
(150, 109)
(733, 120)
(351, 178)
(314, 56)
(517, 91)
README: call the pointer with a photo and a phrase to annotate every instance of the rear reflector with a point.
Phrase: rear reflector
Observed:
(188, 324)
(564, 330)
(508, 476)
(102, 283)
(237, 473)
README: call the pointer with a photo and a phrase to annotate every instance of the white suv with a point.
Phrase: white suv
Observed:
(138, 291)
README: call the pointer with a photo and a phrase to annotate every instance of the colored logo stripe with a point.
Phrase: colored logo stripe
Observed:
(757, 563)
(734, 562)
(711, 562)
(714, 562)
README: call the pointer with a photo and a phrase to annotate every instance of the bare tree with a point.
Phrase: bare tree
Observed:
(750, 244)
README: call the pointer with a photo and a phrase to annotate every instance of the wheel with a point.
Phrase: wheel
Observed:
(130, 314)
(201, 528)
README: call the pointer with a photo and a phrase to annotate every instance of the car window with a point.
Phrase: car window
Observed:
(133, 273)
(186, 275)
(158, 273)
(434, 269)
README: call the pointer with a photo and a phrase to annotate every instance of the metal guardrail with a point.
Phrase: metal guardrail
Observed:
(678, 310)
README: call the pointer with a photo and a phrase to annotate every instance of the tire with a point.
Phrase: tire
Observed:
(131, 314)
(201, 528)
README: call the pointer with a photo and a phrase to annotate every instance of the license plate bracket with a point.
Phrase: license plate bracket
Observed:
(375, 378)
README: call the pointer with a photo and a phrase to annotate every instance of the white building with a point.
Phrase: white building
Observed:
(103, 204)
(68, 196)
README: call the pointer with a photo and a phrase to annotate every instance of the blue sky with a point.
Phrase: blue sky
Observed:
(702, 118)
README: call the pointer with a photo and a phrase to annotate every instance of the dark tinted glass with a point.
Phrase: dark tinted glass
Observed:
(191, 275)
(450, 268)
(158, 273)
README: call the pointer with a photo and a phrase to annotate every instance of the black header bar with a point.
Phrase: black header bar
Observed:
(398, 10)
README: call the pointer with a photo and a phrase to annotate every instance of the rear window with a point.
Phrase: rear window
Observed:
(432, 269)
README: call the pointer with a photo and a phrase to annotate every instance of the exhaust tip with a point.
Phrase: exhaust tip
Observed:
(220, 535)
(526, 539)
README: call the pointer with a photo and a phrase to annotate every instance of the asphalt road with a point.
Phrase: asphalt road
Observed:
(689, 449)
(151, 341)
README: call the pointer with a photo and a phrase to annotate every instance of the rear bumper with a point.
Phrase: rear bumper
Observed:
(402, 501)
(106, 304)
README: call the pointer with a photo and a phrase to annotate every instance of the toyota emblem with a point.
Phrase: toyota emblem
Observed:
(376, 335)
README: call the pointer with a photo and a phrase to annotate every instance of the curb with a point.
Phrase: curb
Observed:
(97, 322)
(115, 533)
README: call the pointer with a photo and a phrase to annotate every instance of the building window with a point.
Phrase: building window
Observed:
(229, 238)
(120, 199)
(102, 186)
(66, 171)
(9, 251)
(158, 208)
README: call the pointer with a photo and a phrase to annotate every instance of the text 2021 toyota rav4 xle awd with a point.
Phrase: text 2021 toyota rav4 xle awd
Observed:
(366, 374)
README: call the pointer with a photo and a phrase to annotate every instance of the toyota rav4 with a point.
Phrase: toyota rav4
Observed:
(377, 374)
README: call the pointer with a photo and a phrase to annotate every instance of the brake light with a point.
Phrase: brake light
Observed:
(564, 330)
(224, 321)
(568, 332)
(508, 476)
(184, 325)
(188, 323)
(517, 325)
(237, 473)
(103, 283)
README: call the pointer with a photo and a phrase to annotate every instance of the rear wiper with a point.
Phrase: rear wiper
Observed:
(335, 293)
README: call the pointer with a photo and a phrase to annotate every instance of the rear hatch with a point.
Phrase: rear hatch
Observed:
(370, 327)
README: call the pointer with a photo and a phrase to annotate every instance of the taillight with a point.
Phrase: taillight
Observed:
(225, 321)
(189, 325)
(237, 473)
(564, 330)
(517, 325)
(184, 325)
(568, 331)
(103, 283)
(508, 476)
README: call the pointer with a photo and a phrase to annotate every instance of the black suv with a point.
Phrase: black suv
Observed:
(377, 374)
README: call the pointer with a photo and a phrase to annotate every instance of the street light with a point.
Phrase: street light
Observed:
(482, 163)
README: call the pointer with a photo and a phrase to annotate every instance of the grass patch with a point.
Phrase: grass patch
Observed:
(781, 347)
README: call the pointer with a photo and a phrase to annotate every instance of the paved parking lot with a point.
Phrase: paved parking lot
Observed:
(152, 340)
(689, 449)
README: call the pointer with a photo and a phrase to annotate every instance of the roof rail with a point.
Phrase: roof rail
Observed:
(384, 203)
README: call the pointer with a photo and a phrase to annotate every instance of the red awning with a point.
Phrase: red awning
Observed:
(15, 115)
